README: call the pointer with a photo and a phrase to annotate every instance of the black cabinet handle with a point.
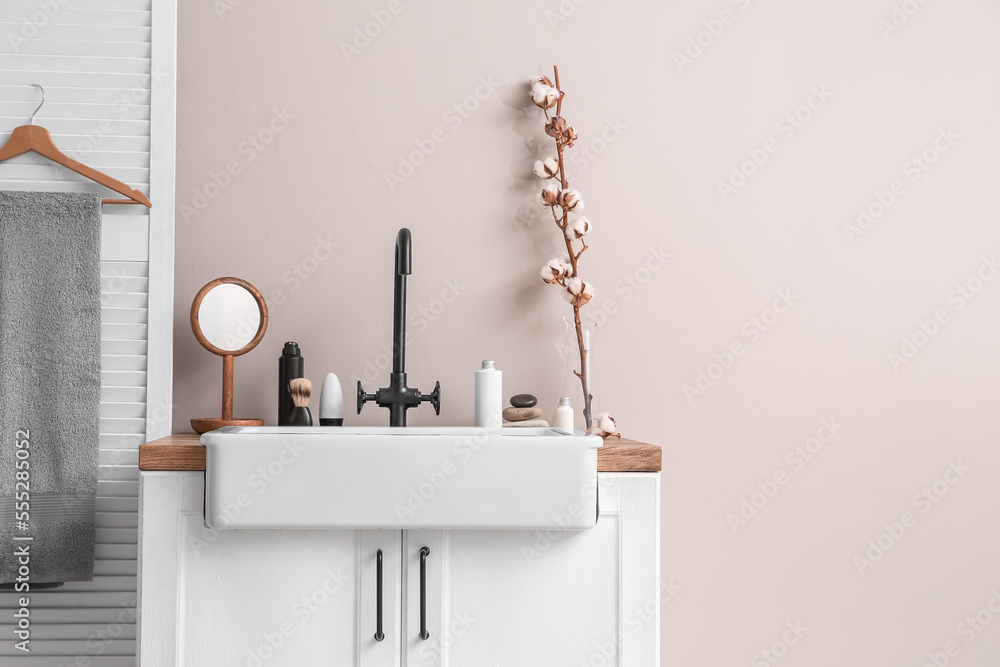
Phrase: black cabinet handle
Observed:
(379, 636)
(424, 552)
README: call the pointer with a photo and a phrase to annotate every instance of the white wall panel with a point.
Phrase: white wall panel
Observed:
(95, 60)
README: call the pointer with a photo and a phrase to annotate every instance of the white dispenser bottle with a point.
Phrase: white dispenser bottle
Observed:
(489, 396)
(331, 402)
(564, 415)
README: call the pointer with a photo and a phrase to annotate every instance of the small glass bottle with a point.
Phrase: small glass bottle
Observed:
(564, 415)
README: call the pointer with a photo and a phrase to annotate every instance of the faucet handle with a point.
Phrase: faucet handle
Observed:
(434, 397)
(363, 397)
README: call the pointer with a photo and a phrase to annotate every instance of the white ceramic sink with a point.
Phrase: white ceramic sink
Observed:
(411, 477)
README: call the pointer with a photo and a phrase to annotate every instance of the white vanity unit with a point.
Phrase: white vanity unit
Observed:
(546, 594)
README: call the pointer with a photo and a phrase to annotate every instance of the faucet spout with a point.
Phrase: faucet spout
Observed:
(404, 266)
(404, 252)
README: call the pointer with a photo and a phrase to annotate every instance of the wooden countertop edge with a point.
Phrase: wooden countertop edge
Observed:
(184, 451)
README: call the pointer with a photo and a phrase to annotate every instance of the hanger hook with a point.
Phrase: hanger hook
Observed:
(39, 86)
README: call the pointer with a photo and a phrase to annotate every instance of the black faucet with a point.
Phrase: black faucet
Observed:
(397, 396)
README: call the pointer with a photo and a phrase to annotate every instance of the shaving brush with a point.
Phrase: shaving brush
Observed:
(301, 390)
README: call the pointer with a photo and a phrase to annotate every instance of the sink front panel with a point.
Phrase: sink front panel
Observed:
(420, 477)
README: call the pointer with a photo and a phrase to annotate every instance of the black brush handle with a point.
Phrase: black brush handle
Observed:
(300, 416)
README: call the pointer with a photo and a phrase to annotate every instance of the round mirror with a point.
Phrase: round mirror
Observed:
(229, 316)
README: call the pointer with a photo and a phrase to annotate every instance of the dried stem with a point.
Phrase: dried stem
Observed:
(555, 68)
(574, 258)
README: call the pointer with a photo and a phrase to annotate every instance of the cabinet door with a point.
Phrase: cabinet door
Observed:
(542, 598)
(267, 597)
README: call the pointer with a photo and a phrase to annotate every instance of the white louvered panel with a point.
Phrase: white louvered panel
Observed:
(117, 441)
(127, 347)
(60, 599)
(115, 488)
(119, 472)
(57, 32)
(76, 13)
(93, 57)
(61, 616)
(124, 362)
(79, 64)
(82, 145)
(130, 164)
(118, 505)
(118, 315)
(119, 82)
(103, 583)
(63, 47)
(116, 567)
(123, 427)
(77, 185)
(92, 149)
(134, 5)
(105, 661)
(123, 394)
(123, 331)
(120, 281)
(97, 104)
(126, 409)
(123, 378)
(90, 108)
(110, 458)
(71, 648)
(117, 520)
(115, 552)
(126, 239)
(66, 631)
(44, 173)
(128, 457)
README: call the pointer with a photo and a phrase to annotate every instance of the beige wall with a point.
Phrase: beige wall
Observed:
(670, 136)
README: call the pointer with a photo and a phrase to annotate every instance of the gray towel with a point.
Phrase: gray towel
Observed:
(50, 381)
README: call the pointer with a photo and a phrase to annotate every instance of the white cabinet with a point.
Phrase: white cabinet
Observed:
(259, 597)
(304, 598)
(542, 598)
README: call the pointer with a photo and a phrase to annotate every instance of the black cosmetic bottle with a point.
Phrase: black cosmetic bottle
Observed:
(290, 367)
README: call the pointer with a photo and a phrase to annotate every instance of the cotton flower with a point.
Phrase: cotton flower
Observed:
(578, 228)
(556, 127)
(570, 200)
(543, 94)
(546, 169)
(570, 136)
(578, 292)
(555, 269)
(605, 426)
(550, 195)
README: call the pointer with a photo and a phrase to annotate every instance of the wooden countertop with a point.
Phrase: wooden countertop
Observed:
(184, 451)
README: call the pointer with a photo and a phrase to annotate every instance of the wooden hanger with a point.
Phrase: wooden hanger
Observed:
(31, 137)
